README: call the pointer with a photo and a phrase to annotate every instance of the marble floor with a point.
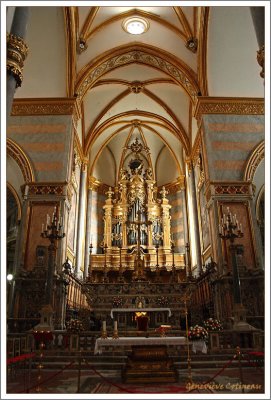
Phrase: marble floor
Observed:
(109, 382)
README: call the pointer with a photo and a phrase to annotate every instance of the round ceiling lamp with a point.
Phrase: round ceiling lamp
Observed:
(135, 25)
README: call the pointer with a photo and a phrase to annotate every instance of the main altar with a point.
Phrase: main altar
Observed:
(138, 267)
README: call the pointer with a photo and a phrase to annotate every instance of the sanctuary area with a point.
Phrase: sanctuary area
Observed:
(135, 191)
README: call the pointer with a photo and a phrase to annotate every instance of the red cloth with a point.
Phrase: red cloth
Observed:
(20, 358)
(44, 336)
(142, 323)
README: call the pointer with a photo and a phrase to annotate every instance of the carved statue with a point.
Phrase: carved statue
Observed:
(148, 174)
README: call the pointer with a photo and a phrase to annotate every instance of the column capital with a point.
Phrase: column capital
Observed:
(16, 54)
(93, 183)
(84, 164)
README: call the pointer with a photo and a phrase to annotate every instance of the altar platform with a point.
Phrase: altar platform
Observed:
(148, 360)
(138, 341)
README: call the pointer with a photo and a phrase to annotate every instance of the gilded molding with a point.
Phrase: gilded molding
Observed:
(228, 105)
(254, 160)
(70, 30)
(16, 54)
(16, 152)
(202, 50)
(50, 106)
(136, 53)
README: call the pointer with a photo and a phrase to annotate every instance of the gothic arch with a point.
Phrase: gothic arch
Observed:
(254, 160)
(137, 53)
(16, 152)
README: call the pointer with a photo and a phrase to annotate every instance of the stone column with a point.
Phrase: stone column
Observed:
(81, 218)
(16, 53)
(88, 233)
(257, 14)
(195, 217)
(19, 250)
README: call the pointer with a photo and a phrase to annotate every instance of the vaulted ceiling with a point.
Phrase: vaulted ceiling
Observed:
(139, 86)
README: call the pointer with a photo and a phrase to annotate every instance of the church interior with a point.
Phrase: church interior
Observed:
(135, 196)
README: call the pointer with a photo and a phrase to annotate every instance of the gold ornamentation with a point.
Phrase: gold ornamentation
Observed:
(16, 54)
(201, 180)
(50, 106)
(176, 186)
(93, 183)
(228, 105)
(15, 152)
(260, 59)
(254, 160)
(57, 189)
(180, 73)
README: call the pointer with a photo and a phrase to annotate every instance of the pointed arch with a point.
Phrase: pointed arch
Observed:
(137, 53)
(17, 153)
(253, 162)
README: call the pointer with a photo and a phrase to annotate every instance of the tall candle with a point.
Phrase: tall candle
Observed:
(115, 325)
(104, 326)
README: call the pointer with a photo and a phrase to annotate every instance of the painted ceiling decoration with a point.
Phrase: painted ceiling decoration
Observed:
(144, 85)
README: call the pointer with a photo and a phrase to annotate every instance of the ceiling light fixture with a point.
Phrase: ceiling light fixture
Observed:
(135, 25)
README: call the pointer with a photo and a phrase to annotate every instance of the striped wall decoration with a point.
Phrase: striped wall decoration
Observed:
(46, 140)
(229, 141)
(177, 220)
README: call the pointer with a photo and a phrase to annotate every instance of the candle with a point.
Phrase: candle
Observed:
(42, 227)
(115, 325)
(104, 326)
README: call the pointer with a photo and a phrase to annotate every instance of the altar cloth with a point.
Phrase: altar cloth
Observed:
(138, 341)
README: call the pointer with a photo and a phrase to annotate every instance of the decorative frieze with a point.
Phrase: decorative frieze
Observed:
(228, 189)
(228, 105)
(48, 106)
(58, 189)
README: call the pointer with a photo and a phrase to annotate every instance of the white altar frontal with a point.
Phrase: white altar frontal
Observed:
(138, 341)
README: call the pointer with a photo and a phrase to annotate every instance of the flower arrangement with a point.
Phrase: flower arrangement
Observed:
(162, 301)
(117, 301)
(197, 333)
(212, 324)
(74, 325)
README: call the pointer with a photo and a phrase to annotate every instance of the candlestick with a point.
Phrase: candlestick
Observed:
(115, 331)
(104, 333)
